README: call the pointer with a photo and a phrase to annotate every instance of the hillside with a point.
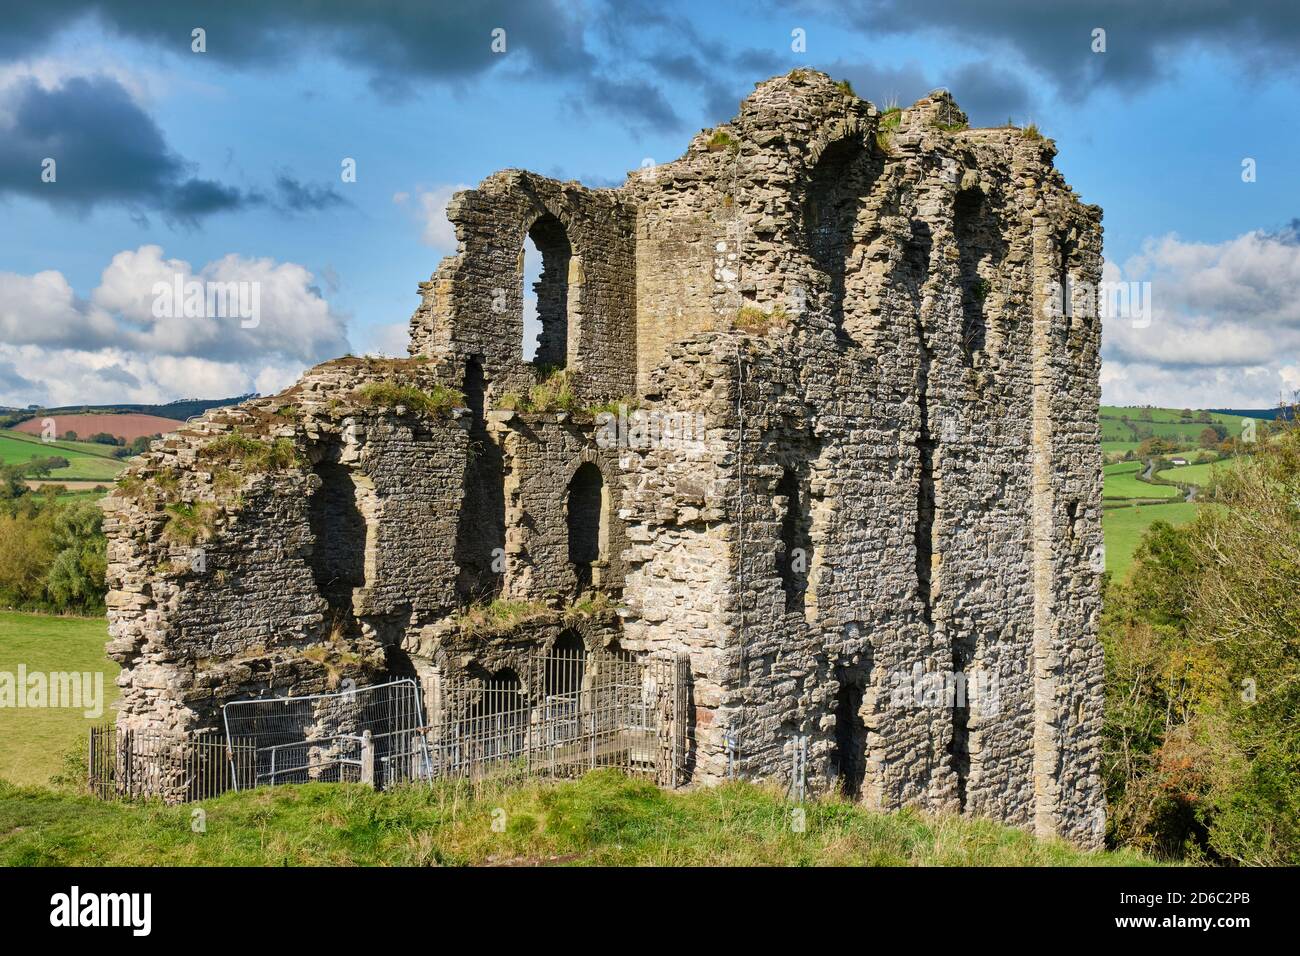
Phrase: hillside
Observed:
(603, 819)
(87, 461)
(127, 426)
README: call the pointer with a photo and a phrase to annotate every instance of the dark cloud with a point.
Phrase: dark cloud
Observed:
(390, 40)
(106, 150)
(1143, 39)
(634, 101)
(297, 196)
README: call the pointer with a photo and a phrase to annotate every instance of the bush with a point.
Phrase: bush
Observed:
(437, 401)
(1202, 732)
(52, 553)
(254, 455)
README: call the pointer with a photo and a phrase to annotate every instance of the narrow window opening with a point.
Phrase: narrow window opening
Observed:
(975, 236)
(796, 542)
(840, 182)
(475, 388)
(336, 515)
(587, 520)
(546, 257)
(850, 755)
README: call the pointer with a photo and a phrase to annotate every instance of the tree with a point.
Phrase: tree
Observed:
(1208, 438)
(1202, 728)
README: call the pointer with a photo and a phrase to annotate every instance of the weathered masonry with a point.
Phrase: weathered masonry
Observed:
(815, 405)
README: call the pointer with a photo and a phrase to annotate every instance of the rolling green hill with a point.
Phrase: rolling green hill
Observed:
(83, 464)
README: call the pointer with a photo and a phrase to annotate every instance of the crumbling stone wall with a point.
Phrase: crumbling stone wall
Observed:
(473, 306)
(216, 592)
(878, 544)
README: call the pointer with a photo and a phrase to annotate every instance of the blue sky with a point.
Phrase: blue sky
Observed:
(227, 162)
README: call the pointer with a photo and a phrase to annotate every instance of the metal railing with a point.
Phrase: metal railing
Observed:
(130, 764)
(569, 713)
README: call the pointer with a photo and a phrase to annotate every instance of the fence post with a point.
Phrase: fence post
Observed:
(90, 762)
(367, 759)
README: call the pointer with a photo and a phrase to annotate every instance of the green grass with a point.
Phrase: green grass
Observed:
(1122, 529)
(601, 819)
(33, 741)
(1164, 423)
(81, 465)
(1118, 447)
(1121, 481)
(1194, 474)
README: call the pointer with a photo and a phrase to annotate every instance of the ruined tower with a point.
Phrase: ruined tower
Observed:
(814, 405)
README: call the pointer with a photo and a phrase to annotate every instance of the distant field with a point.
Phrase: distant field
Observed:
(1161, 422)
(1122, 530)
(16, 448)
(1121, 481)
(1118, 447)
(34, 740)
(128, 427)
(1195, 474)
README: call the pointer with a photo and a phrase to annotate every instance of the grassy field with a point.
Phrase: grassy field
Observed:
(1122, 530)
(82, 465)
(1121, 481)
(1194, 474)
(1161, 422)
(34, 740)
(601, 819)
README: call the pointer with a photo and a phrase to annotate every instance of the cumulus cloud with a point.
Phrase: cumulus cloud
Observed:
(121, 344)
(431, 209)
(1224, 326)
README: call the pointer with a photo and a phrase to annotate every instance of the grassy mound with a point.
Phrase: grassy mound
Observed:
(602, 819)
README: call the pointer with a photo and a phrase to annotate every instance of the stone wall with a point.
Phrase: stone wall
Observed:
(868, 507)
(473, 306)
(224, 580)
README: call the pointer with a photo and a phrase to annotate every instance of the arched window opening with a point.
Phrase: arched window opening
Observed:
(840, 183)
(587, 516)
(496, 725)
(546, 258)
(974, 238)
(795, 547)
(565, 664)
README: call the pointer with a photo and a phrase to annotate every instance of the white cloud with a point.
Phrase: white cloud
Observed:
(112, 347)
(1224, 327)
(438, 230)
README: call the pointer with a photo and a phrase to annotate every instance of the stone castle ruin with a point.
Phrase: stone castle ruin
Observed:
(813, 406)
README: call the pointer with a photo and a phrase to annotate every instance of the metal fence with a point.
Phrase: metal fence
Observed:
(129, 764)
(370, 734)
(567, 713)
(570, 712)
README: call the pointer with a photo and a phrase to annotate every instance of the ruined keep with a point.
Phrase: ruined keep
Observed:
(825, 421)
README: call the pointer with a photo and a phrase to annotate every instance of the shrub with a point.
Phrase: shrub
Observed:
(757, 321)
(190, 523)
(389, 394)
(497, 616)
(553, 393)
(253, 455)
(721, 140)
